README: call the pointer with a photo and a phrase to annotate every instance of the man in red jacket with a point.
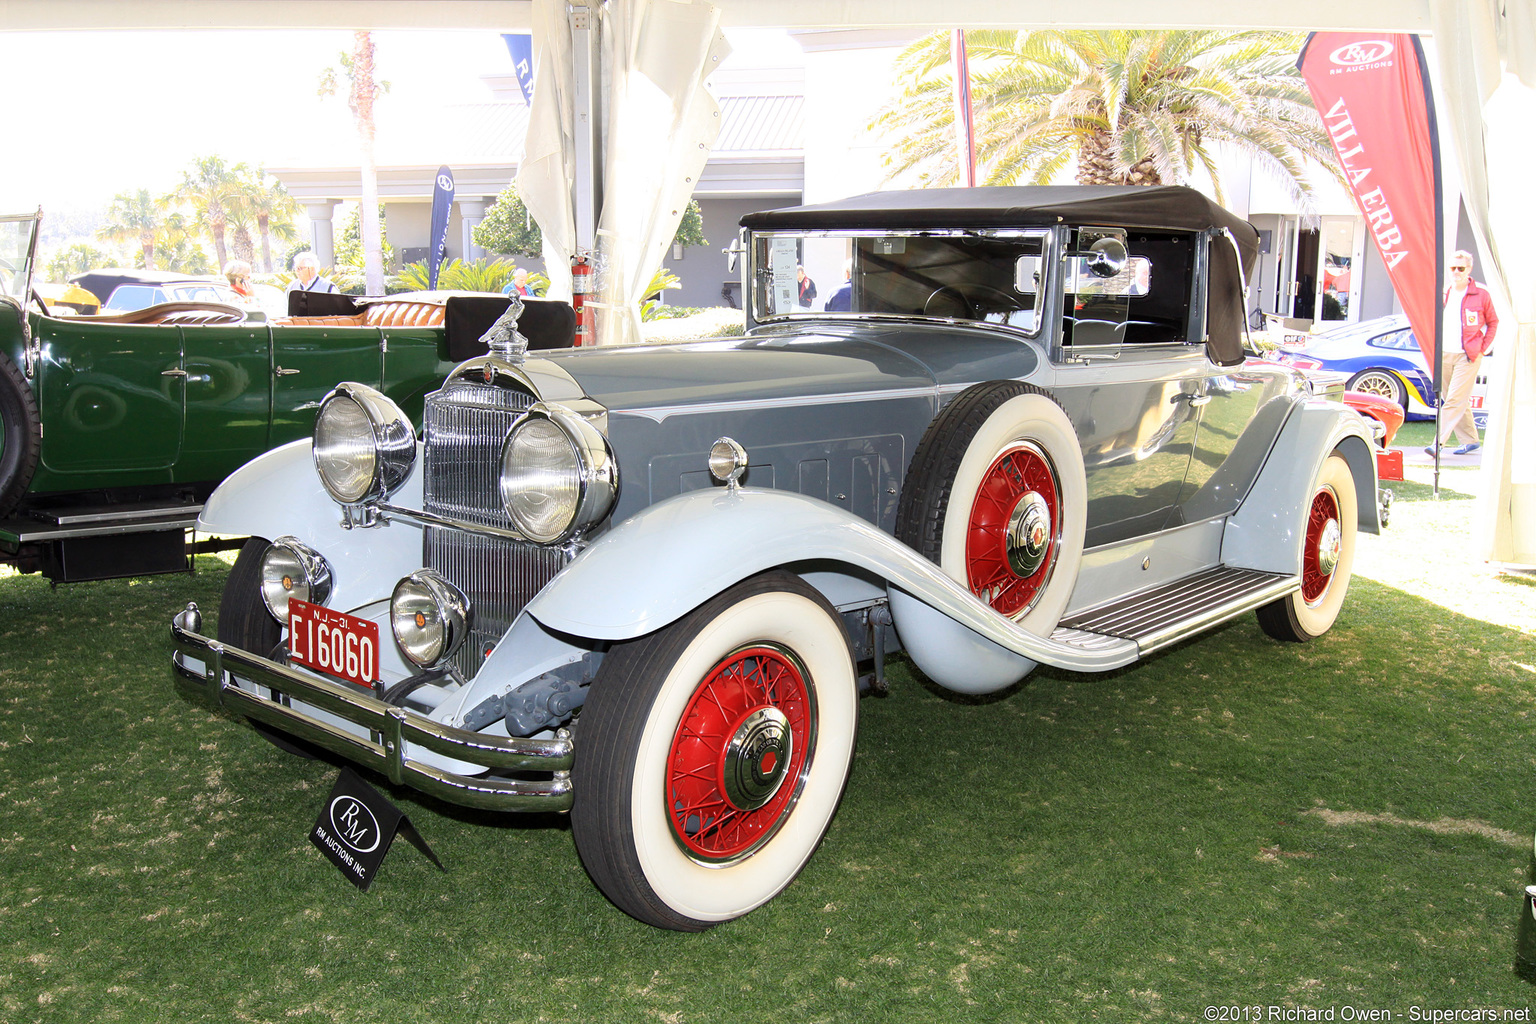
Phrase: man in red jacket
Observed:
(1467, 334)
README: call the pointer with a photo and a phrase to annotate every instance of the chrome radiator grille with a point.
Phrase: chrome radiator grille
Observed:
(464, 431)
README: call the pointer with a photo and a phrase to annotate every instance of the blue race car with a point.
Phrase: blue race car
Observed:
(1381, 356)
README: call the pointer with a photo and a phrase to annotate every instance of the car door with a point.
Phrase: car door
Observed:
(111, 397)
(228, 397)
(1128, 376)
(307, 362)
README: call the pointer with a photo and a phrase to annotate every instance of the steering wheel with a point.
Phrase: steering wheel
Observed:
(41, 305)
(945, 300)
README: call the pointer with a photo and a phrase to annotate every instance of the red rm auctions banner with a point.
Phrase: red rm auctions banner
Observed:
(1373, 94)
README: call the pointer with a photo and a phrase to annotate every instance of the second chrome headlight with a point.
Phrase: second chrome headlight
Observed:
(558, 474)
(364, 445)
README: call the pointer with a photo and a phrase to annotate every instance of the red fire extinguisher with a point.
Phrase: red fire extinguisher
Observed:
(581, 290)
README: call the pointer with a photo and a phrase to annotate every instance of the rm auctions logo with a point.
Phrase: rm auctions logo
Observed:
(1362, 52)
(354, 824)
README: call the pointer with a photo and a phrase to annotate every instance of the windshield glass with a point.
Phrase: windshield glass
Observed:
(16, 233)
(993, 277)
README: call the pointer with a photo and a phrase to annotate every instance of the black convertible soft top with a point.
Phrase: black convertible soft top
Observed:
(1167, 207)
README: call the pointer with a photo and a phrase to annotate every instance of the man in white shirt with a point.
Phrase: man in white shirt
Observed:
(1467, 330)
(307, 267)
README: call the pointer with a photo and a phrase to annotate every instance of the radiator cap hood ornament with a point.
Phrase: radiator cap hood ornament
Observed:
(503, 338)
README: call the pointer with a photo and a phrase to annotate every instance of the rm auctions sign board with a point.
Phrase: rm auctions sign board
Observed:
(356, 827)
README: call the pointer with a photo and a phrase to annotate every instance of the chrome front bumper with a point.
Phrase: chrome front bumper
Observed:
(393, 733)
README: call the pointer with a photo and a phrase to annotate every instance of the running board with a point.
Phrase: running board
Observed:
(1169, 613)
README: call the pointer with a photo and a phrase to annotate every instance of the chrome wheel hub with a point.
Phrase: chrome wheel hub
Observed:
(1029, 534)
(756, 759)
(1329, 541)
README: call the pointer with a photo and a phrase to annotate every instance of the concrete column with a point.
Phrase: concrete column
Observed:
(471, 213)
(322, 236)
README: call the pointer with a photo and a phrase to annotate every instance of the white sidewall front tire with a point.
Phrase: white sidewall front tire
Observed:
(720, 892)
(1037, 419)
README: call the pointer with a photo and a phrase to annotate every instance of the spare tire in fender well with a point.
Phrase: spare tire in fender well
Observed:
(21, 435)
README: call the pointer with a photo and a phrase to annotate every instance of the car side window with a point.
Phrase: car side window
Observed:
(128, 297)
(1145, 302)
(1401, 341)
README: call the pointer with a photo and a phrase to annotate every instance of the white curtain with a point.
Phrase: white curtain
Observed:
(1486, 56)
(658, 126)
(547, 171)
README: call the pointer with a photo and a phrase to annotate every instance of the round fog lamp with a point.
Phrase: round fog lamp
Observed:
(292, 569)
(430, 618)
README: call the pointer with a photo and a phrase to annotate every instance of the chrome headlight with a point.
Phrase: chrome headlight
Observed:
(291, 569)
(430, 618)
(364, 445)
(558, 474)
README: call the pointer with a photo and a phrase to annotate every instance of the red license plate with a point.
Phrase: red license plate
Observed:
(333, 642)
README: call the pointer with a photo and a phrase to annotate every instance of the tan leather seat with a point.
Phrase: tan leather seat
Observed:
(403, 314)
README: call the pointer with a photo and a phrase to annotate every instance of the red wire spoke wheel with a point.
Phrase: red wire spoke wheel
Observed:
(1320, 556)
(1327, 558)
(739, 754)
(1013, 534)
(713, 753)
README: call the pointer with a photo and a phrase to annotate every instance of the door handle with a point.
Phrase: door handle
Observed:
(285, 373)
(173, 373)
(1195, 401)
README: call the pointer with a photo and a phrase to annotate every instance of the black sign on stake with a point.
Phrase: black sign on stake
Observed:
(356, 827)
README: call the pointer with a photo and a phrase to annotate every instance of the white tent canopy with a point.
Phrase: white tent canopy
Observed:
(1486, 69)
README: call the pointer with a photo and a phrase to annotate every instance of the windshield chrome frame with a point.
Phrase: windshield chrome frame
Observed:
(1048, 244)
(30, 348)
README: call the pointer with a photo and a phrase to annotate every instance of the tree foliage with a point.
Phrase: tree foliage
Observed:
(75, 259)
(133, 219)
(1134, 108)
(508, 229)
(480, 275)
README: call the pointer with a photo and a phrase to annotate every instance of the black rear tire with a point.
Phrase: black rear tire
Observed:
(21, 435)
(244, 622)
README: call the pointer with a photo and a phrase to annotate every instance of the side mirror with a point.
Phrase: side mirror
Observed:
(1106, 257)
(1027, 274)
(731, 252)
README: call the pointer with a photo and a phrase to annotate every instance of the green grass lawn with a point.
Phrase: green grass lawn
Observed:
(1234, 821)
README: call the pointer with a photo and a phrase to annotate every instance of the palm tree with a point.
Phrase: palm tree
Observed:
(209, 188)
(176, 242)
(133, 219)
(274, 210)
(1133, 108)
(363, 91)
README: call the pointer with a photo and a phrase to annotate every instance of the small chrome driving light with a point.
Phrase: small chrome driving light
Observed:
(558, 474)
(430, 618)
(364, 445)
(292, 569)
(727, 462)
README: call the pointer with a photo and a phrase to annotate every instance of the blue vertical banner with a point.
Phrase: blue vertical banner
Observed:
(521, 49)
(442, 203)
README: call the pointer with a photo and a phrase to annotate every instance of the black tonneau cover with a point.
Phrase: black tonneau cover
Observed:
(1167, 207)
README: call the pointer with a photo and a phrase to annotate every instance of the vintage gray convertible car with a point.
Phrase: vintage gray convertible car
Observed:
(649, 584)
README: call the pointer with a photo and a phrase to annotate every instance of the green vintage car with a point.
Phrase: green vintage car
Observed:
(115, 428)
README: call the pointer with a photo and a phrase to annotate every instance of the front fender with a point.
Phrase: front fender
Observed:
(669, 558)
(1266, 531)
(279, 494)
